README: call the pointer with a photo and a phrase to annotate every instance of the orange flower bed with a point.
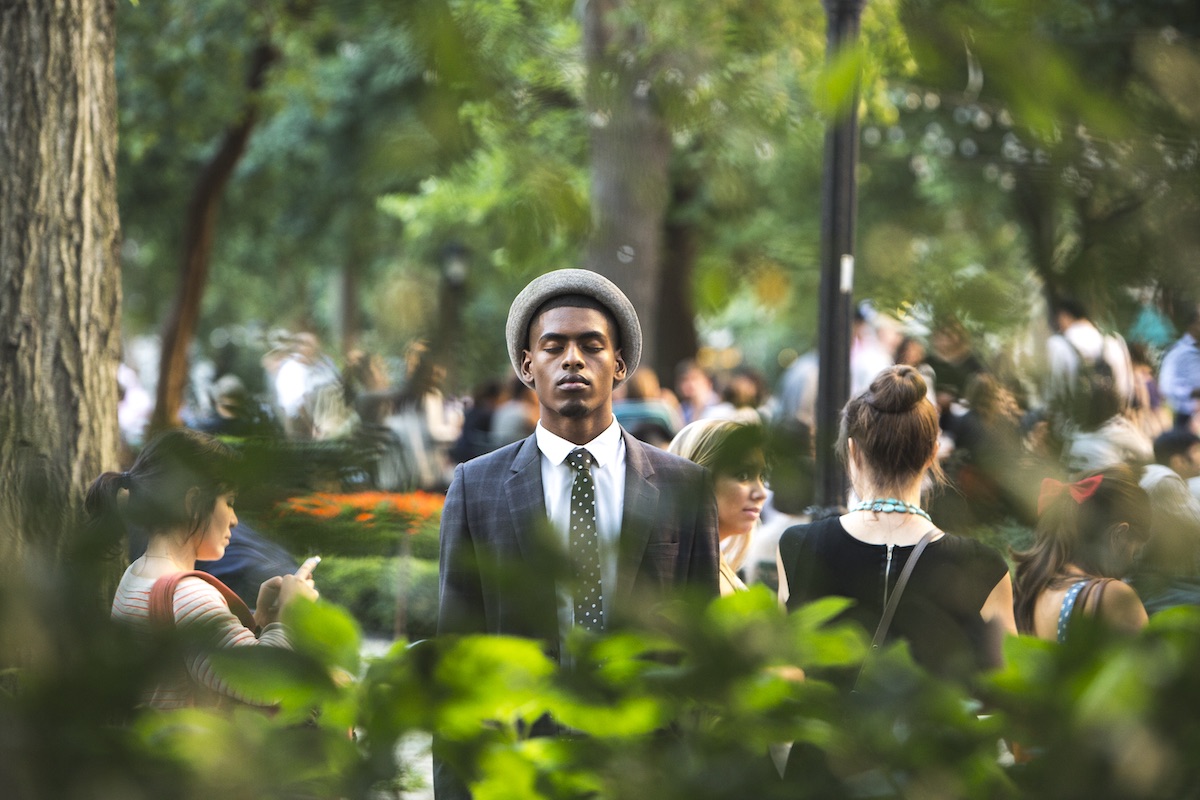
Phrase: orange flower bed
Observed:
(359, 523)
(414, 508)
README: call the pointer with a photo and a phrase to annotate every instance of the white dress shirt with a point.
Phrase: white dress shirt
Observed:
(608, 473)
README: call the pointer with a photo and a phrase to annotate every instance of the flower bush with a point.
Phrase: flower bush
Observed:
(357, 524)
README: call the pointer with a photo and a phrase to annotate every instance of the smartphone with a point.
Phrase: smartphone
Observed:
(306, 569)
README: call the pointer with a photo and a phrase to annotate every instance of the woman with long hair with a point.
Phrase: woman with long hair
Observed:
(957, 607)
(180, 493)
(735, 454)
(1088, 535)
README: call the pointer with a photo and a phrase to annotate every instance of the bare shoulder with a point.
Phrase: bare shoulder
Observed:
(1121, 608)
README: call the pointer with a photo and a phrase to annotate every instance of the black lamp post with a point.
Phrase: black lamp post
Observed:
(838, 211)
(455, 267)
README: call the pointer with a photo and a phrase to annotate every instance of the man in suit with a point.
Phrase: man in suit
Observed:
(573, 337)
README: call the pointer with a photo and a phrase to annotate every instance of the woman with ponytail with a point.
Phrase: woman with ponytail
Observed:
(957, 607)
(1089, 533)
(179, 493)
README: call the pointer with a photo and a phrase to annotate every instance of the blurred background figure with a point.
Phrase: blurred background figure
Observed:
(367, 387)
(1168, 572)
(1148, 411)
(643, 409)
(308, 389)
(235, 413)
(743, 398)
(476, 436)
(1179, 376)
(695, 391)
(134, 406)
(516, 417)
(986, 466)
(1083, 358)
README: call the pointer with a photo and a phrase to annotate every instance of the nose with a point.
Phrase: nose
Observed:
(572, 355)
(233, 520)
(758, 489)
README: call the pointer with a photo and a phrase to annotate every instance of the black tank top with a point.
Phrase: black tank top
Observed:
(939, 613)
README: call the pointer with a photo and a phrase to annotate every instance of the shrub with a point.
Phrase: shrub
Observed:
(357, 524)
(366, 586)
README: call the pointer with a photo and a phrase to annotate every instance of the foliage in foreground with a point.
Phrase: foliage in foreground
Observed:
(686, 706)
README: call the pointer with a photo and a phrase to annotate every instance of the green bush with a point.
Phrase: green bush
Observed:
(366, 587)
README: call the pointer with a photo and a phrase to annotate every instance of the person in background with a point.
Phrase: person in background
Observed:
(735, 454)
(236, 413)
(1089, 533)
(644, 411)
(1080, 350)
(694, 388)
(516, 417)
(958, 605)
(476, 436)
(1169, 568)
(180, 492)
(743, 398)
(1179, 375)
(1148, 412)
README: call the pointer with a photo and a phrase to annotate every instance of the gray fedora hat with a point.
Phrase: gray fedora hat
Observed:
(573, 281)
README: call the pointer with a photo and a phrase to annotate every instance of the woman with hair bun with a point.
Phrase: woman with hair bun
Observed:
(957, 606)
(179, 491)
(735, 454)
(1089, 533)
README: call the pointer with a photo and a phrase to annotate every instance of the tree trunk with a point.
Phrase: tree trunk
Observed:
(199, 228)
(630, 152)
(676, 334)
(60, 295)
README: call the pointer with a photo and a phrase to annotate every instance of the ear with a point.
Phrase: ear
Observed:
(619, 367)
(526, 367)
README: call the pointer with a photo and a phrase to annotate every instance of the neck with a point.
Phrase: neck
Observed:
(579, 430)
(174, 548)
(909, 494)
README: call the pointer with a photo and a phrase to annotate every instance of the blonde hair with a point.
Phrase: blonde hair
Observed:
(721, 445)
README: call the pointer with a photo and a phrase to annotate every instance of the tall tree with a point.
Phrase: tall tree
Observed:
(59, 284)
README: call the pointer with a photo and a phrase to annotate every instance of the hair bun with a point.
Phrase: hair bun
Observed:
(896, 390)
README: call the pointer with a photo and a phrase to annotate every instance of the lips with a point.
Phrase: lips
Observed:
(573, 382)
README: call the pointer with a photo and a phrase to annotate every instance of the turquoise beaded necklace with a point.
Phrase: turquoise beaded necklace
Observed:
(891, 505)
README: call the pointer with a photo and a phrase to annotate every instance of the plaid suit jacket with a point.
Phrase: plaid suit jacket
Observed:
(499, 553)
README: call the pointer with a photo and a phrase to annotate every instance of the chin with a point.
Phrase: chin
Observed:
(573, 409)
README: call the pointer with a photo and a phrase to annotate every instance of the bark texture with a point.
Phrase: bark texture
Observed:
(59, 280)
(631, 149)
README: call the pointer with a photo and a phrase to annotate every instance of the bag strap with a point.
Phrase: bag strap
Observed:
(885, 621)
(1088, 602)
(162, 599)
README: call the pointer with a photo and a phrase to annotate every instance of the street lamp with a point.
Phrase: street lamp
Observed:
(838, 211)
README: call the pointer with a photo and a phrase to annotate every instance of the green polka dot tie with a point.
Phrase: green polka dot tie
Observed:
(585, 543)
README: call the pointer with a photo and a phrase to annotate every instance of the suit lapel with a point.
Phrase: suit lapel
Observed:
(526, 500)
(637, 518)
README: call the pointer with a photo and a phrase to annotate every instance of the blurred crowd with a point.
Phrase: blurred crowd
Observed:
(1099, 400)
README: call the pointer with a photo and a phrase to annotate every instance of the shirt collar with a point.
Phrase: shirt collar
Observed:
(603, 448)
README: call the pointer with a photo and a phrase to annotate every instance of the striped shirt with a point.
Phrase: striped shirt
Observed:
(196, 603)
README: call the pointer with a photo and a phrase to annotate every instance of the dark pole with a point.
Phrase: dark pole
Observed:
(838, 210)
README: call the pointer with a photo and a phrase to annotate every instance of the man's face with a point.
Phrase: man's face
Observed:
(572, 362)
